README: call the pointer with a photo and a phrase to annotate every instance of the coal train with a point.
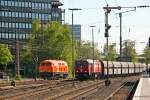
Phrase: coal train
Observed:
(88, 68)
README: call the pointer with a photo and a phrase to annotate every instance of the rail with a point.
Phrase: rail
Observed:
(124, 92)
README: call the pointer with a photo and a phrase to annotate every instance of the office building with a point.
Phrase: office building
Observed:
(76, 31)
(16, 16)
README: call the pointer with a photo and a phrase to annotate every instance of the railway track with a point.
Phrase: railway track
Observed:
(65, 89)
(4, 84)
(76, 92)
(18, 93)
(104, 92)
(124, 92)
(84, 92)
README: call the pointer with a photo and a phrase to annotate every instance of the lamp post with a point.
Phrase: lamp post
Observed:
(73, 9)
(120, 16)
(93, 42)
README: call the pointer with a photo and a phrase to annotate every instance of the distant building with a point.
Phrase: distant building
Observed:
(124, 59)
(76, 31)
(16, 16)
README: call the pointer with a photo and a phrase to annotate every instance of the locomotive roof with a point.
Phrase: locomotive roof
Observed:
(88, 60)
(55, 61)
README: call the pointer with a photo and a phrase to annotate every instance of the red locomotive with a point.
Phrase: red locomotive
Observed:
(53, 69)
(87, 68)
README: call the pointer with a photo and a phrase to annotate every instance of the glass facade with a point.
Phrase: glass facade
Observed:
(76, 31)
(16, 16)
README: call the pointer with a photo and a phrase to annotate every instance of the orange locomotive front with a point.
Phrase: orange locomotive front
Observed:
(52, 69)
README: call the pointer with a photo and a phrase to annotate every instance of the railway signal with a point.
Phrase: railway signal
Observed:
(107, 27)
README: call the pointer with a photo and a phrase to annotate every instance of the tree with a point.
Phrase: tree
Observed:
(49, 41)
(86, 50)
(5, 58)
(112, 54)
(5, 54)
(147, 54)
(129, 50)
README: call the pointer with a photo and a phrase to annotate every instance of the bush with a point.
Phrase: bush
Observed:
(18, 77)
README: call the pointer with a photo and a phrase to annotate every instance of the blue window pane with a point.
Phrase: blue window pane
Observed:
(6, 3)
(10, 25)
(13, 3)
(36, 5)
(3, 24)
(13, 25)
(26, 4)
(19, 4)
(29, 4)
(17, 26)
(49, 5)
(39, 5)
(2, 3)
(23, 25)
(9, 14)
(32, 5)
(30, 15)
(6, 24)
(2, 13)
(23, 4)
(9, 3)
(16, 4)
(43, 7)
(30, 25)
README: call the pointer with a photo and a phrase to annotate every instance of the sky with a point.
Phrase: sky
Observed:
(135, 24)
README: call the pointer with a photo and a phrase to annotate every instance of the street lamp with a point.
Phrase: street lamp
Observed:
(73, 9)
(120, 16)
(93, 42)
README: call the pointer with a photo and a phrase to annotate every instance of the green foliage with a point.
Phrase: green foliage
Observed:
(129, 50)
(18, 77)
(112, 54)
(147, 54)
(5, 54)
(49, 41)
(85, 50)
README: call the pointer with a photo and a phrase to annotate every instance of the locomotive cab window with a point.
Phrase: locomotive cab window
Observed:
(81, 63)
(85, 63)
(46, 64)
(78, 63)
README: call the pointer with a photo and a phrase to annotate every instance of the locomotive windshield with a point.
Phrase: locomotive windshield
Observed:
(46, 64)
(81, 63)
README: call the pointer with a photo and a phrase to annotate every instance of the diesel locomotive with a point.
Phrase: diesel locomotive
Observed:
(53, 69)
